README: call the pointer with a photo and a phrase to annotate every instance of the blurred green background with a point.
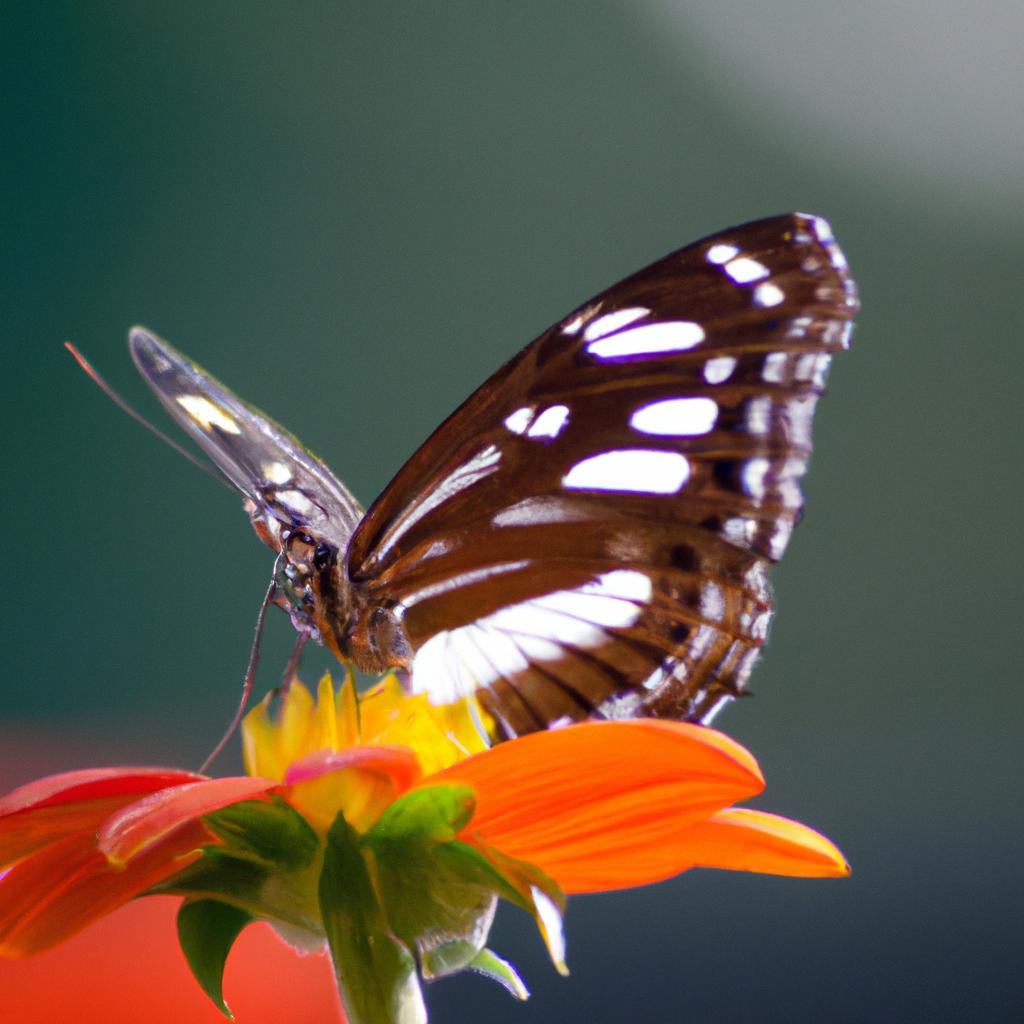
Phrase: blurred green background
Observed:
(352, 214)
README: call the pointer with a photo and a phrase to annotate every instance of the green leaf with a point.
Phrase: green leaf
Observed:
(269, 832)
(492, 966)
(207, 930)
(376, 974)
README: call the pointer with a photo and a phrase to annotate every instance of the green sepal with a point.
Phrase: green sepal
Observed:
(492, 966)
(268, 832)
(218, 874)
(437, 894)
(537, 893)
(207, 929)
(282, 898)
(376, 974)
(434, 814)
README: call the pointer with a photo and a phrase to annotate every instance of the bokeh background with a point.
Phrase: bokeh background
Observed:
(353, 214)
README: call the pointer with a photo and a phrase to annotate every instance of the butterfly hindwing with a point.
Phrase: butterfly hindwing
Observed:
(589, 532)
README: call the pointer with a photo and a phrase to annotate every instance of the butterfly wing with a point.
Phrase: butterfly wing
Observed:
(285, 486)
(589, 533)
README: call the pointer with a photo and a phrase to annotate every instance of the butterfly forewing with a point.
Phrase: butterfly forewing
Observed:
(589, 533)
(285, 485)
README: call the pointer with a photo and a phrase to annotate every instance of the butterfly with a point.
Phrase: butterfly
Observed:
(588, 534)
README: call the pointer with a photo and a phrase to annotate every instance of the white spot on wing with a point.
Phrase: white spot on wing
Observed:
(536, 511)
(613, 321)
(823, 230)
(276, 472)
(518, 421)
(638, 470)
(813, 367)
(295, 501)
(774, 367)
(768, 294)
(649, 339)
(759, 414)
(720, 253)
(719, 369)
(754, 473)
(613, 599)
(739, 531)
(550, 422)
(464, 579)
(205, 414)
(676, 417)
(743, 270)
(473, 469)
(788, 482)
(574, 324)
(712, 602)
(798, 328)
(779, 540)
(455, 663)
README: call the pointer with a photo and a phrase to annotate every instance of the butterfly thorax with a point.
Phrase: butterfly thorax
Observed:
(372, 635)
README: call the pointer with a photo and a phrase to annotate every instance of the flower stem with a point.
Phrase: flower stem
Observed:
(376, 974)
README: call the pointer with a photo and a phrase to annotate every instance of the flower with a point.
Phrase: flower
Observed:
(387, 829)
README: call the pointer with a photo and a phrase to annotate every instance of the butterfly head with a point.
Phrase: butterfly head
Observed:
(310, 586)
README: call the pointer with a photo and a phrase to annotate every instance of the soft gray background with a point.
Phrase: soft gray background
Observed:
(352, 214)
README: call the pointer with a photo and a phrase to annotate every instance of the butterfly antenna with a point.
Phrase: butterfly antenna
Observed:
(250, 672)
(138, 417)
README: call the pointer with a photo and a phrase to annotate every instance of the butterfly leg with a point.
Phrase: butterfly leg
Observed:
(250, 671)
(292, 668)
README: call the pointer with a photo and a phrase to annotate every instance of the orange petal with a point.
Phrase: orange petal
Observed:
(75, 802)
(601, 805)
(125, 834)
(57, 891)
(746, 840)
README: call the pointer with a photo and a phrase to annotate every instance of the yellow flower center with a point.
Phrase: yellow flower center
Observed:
(384, 716)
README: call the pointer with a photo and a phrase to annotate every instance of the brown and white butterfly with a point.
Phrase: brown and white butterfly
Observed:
(588, 534)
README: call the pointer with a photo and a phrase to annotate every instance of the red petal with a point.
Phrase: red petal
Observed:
(399, 764)
(601, 805)
(57, 891)
(75, 802)
(71, 787)
(125, 834)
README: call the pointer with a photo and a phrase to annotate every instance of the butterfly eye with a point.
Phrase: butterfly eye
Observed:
(299, 547)
(323, 556)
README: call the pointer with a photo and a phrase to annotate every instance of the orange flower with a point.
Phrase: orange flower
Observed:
(384, 827)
